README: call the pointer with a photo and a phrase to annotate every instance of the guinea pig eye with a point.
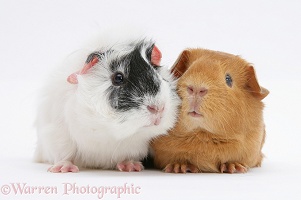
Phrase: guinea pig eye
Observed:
(118, 79)
(229, 80)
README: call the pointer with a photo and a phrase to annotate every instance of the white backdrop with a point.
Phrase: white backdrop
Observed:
(36, 35)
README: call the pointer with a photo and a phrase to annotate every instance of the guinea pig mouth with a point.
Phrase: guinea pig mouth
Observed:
(195, 114)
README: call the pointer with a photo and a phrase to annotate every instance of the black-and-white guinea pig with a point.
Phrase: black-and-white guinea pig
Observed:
(102, 109)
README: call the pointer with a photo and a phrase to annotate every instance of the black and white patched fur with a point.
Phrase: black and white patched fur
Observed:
(105, 120)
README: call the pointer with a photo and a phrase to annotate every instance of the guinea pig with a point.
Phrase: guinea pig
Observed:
(220, 126)
(102, 109)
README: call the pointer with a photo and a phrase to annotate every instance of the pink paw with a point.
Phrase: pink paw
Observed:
(233, 168)
(130, 166)
(180, 168)
(63, 167)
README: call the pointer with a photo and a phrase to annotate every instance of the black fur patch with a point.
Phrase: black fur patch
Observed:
(148, 162)
(140, 80)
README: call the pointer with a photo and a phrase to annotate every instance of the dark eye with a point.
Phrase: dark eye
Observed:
(118, 79)
(229, 80)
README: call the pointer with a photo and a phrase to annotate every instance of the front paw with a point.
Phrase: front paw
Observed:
(181, 168)
(63, 167)
(130, 166)
(234, 167)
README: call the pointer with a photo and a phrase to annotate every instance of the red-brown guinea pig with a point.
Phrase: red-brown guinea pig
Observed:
(220, 127)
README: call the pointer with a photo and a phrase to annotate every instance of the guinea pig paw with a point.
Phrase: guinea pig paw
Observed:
(233, 168)
(180, 168)
(63, 167)
(130, 166)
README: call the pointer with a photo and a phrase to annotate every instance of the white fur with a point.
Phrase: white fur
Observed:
(76, 123)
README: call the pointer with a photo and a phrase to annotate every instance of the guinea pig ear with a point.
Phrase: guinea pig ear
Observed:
(156, 56)
(90, 62)
(181, 64)
(253, 86)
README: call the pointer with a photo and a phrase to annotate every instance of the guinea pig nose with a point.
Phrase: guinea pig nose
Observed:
(197, 91)
(202, 91)
(190, 89)
(155, 109)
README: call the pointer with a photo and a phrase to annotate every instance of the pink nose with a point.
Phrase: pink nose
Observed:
(155, 109)
(202, 91)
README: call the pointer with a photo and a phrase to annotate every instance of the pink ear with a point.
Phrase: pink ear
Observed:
(73, 77)
(156, 56)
